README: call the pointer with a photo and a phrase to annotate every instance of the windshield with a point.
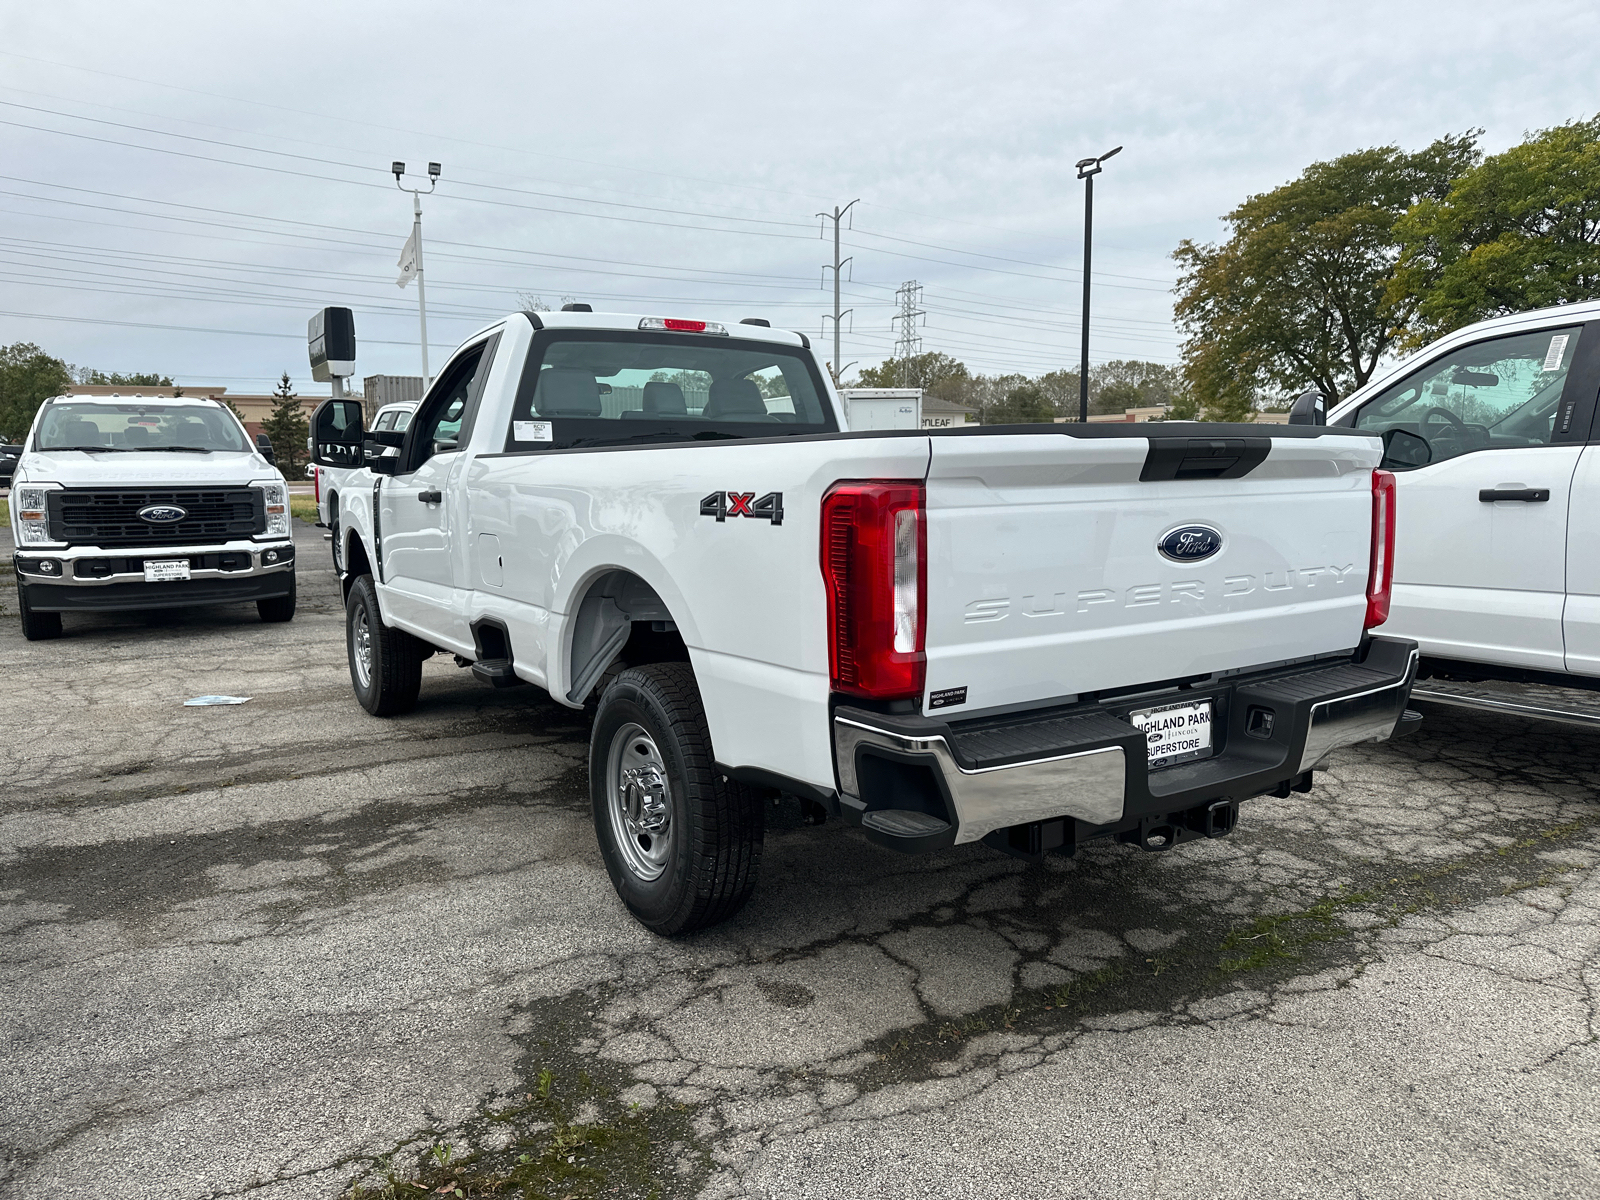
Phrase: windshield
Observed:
(111, 427)
(585, 389)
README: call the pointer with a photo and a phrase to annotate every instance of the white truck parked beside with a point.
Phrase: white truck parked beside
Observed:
(1493, 441)
(1030, 635)
(127, 502)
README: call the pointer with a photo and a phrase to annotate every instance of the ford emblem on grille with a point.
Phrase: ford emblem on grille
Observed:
(1190, 543)
(162, 514)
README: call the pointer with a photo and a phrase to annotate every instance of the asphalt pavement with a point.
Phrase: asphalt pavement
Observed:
(286, 949)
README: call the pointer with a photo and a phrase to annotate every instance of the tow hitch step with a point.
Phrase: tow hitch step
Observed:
(904, 829)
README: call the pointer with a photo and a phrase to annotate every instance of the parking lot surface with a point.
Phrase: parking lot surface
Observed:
(286, 949)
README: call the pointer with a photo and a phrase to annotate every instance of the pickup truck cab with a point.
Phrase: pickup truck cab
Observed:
(1030, 636)
(1497, 472)
(130, 502)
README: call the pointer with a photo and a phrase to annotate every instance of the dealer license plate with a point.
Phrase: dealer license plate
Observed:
(1176, 732)
(165, 570)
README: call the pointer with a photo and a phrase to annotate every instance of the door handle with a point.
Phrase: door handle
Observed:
(438, 497)
(1531, 495)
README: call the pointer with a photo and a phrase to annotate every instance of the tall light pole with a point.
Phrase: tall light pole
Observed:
(411, 257)
(1088, 168)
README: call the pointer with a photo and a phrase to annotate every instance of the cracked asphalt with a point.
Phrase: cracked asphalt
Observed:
(285, 949)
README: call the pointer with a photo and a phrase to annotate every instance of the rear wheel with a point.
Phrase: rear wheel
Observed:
(681, 843)
(385, 663)
(36, 626)
(278, 608)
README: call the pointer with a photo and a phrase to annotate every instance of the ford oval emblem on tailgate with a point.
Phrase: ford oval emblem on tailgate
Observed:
(162, 514)
(1190, 543)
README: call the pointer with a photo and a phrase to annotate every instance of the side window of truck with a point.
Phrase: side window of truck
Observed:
(1495, 394)
(444, 420)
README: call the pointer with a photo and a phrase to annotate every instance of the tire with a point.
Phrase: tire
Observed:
(681, 843)
(385, 663)
(36, 626)
(278, 608)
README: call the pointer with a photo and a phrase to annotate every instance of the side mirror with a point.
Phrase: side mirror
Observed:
(337, 434)
(1405, 450)
(264, 445)
(1310, 408)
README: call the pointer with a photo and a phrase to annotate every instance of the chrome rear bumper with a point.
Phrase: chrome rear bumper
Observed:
(1087, 763)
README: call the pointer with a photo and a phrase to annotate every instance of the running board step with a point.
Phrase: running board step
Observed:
(1537, 712)
(908, 830)
(497, 672)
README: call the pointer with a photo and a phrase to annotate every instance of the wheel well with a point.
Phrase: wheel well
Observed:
(356, 564)
(621, 622)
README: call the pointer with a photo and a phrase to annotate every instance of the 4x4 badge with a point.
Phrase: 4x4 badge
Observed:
(723, 505)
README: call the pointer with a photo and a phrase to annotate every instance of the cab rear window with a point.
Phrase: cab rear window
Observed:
(583, 388)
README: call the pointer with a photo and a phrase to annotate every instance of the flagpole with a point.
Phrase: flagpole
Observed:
(422, 294)
(411, 257)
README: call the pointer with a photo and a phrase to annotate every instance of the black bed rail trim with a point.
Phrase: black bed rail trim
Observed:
(1154, 430)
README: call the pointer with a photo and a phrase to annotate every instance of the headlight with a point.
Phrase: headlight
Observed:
(28, 501)
(276, 496)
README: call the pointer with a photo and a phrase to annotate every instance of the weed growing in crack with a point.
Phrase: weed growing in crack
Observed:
(565, 1134)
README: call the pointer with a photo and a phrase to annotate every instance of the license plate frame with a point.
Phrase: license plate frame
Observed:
(1168, 744)
(166, 570)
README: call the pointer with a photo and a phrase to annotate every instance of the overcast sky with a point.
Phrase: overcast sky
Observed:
(182, 185)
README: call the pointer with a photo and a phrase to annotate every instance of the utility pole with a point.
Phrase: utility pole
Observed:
(1088, 168)
(410, 263)
(838, 264)
(909, 294)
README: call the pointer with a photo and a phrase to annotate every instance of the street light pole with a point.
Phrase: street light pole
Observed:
(411, 257)
(1088, 168)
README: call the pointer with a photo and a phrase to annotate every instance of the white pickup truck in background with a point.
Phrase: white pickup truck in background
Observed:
(1496, 456)
(1031, 636)
(131, 502)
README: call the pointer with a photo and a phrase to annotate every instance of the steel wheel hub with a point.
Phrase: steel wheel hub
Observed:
(639, 802)
(362, 648)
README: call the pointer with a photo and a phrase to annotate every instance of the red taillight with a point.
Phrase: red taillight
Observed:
(316, 485)
(874, 562)
(680, 326)
(1380, 579)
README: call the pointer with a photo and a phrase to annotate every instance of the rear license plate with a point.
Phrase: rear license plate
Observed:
(165, 570)
(1175, 733)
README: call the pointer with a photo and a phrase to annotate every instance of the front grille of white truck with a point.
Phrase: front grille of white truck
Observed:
(110, 516)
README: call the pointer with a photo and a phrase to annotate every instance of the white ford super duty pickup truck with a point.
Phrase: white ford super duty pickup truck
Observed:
(1495, 449)
(1030, 636)
(125, 503)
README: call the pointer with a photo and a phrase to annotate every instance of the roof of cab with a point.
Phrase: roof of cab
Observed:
(629, 322)
(136, 398)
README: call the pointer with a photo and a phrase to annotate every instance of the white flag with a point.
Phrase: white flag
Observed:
(408, 261)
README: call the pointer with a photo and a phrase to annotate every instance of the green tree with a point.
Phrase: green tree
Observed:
(1299, 292)
(1519, 231)
(1024, 404)
(927, 371)
(117, 379)
(287, 428)
(28, 377)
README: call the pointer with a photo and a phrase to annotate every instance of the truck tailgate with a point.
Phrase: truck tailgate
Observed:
(1045, 580)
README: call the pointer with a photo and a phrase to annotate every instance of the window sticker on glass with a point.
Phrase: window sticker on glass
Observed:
(1558, 347)
(532, 431)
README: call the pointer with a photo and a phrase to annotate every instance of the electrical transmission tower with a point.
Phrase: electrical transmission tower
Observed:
(837, 266)
(909, 295)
